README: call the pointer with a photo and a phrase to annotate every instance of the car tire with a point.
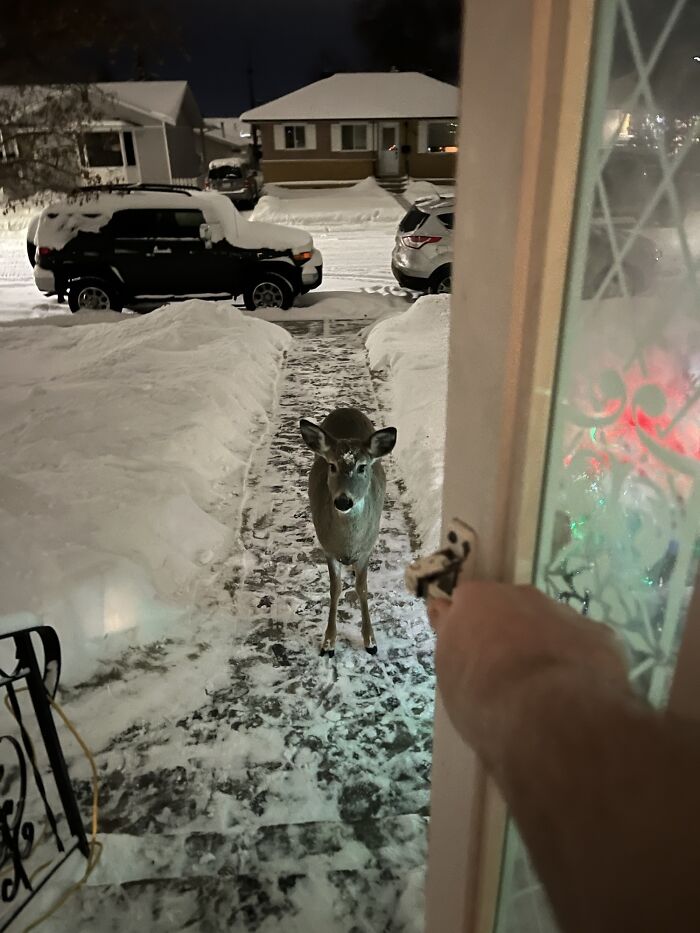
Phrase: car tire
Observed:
(93, 295)
(441, 281)
(269, 287)
(31, 253)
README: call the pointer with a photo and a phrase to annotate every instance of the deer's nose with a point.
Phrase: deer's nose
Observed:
(343, 503)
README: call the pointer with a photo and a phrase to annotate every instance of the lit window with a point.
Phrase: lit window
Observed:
(442, 137)
(353, 136)
(295, 137)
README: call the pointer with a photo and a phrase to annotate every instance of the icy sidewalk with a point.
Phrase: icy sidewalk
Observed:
(293, 795)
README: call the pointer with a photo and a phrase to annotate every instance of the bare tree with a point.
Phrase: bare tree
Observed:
(41, 131)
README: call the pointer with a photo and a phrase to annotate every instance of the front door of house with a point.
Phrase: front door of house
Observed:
(573, 423)
(388, 148)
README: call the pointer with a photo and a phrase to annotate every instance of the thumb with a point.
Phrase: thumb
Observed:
(437, 612)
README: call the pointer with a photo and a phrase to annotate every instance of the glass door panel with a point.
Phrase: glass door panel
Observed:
(618, 536)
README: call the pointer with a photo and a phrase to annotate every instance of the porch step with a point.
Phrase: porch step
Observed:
(396, 184)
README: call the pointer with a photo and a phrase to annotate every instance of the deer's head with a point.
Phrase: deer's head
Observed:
(349, 461)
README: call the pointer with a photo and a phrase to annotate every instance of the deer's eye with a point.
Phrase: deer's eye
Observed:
(333, 468)
(362, 468)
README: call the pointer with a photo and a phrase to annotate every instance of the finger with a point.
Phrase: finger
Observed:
(437, 611)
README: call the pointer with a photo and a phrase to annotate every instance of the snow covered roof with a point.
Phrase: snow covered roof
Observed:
(363, 96)
(163, 99)
(231, 129)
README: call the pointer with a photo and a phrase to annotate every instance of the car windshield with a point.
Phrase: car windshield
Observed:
(225, 171)
(412, 220)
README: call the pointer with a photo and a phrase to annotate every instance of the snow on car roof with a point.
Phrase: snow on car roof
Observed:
(234, 161)
(89, 211)
(363, 96)
(432, 203)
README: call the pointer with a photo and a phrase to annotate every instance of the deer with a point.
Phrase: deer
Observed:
(346, 494)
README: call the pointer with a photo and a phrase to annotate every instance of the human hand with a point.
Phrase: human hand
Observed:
(498, 644)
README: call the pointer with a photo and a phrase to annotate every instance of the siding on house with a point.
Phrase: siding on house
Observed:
(152, 153)
(184, 151)
(323, 163)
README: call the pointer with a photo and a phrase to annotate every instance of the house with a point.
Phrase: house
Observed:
(148, 131)
(124, 131)
(346, 127)
(228, 137)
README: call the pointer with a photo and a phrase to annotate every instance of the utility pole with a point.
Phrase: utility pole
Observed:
(251, 84)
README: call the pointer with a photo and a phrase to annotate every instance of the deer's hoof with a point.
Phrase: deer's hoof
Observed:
(371, 649)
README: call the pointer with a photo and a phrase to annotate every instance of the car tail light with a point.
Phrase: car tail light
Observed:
(415, 242)
(44, 251)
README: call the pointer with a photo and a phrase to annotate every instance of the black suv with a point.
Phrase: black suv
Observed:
(134, 245)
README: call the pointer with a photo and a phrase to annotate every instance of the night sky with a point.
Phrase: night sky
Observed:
(287, 42)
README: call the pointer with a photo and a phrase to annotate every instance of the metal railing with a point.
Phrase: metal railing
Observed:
(25, 785)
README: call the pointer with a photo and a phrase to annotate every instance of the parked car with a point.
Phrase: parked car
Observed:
(236, 178)
(422, 255)
(123, 246)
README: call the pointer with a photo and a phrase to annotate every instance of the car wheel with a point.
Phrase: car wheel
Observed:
(271, 290)
(93, 295)
(31, 253)
(441, 282)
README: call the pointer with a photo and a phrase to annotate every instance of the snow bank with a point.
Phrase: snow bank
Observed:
(412, 350)
(361, 203)
(115, 443)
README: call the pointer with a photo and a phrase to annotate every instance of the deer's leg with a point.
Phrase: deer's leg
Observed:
(328, 646)
(361, 589)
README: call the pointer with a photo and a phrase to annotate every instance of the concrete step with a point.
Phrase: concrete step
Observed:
(396, 184)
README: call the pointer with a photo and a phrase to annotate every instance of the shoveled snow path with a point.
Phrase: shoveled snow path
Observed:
(294, 794)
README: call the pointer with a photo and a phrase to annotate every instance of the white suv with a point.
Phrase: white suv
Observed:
(422, 256)
(130, 245)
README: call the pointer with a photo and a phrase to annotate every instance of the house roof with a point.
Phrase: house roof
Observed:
(363, 96)
(163, 99)
(231, 129)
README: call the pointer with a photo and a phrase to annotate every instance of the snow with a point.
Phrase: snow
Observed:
(361, 203)
(234, 161)
(89, 212)
(226, 747)
(418, 189)
(257, 234)
(411, 349)
(114, 438)
(231, 129)
(363, 96)
(162, 99)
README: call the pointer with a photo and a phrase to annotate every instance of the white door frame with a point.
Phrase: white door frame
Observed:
(516, 182)
(395, 163)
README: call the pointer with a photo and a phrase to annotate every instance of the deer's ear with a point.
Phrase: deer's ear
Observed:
(382, 442)
(314, 437)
